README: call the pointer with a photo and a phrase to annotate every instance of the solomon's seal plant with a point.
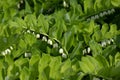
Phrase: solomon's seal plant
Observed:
(59, 39)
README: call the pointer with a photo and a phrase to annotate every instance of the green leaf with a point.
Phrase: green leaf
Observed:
(96, 48)
(113, 30)
(115, 71)
(22, 23)
(96, 64)
(43, 24)
(105, 73)
(12, 72)
(30, 39)
(33, 66)
(56, 31)
(102, 61)
(24, 74)
(27, 8)
(115, 3)
(90, 28)
(90, 65)
(17, 53)
(66, 68)
(1, 73)
(97, 35)
(22, 44)
(84, 67)
(54, 68)
(43, 64)
(1, 77)
(34, 59)
(68, 39)
(109, 50)
(117, 57)
(98, 5)
(88, 6)
(117, 40)
(9, 59)
(104, 29)
(21, 62)
(76, 51)
(75, 65)
(31, 22)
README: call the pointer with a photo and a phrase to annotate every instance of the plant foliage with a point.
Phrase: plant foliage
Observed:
(59, 39)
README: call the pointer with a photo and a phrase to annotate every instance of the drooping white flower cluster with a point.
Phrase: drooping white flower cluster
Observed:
(42, 37)
(107, 42)
(18, 5)
(102, 14)
(7, 51)
(61, 51)
(48, 40)
(86, 51)
(103, 45)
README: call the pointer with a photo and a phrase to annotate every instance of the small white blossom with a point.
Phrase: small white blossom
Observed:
(92, 17)
(94, 78)
(28, 31)
(103, 44)
(3, 53)
(60, 50)
(112, 10)
(101, 14)
(109, 11)
(21, 1)
(88, 49)
(111, 40)
(50, 42)
(84, 51)
(33, 33)
(67, 17)
(64, 55)
(27, 54)
(55, 45)
(37, 35)
(88, 19)
(65, 4)
(108, 41)
(44, 38)
(7, 51)
(11, 47)
(17, 73)
(104, 13)
(96, 17)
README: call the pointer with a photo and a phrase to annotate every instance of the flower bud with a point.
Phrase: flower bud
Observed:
(64, 55)
(50, 42)
(60, 50)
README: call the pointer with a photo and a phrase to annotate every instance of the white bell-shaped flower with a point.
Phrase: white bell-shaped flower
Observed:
(103, 44)
(60, 50)
(88, 50)
(11, 47)
(50, 42)
(64, 55)
(44, 38)
(37, 35)
(55, 45)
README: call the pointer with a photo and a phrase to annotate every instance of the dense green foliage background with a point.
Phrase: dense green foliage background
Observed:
(81, 39)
